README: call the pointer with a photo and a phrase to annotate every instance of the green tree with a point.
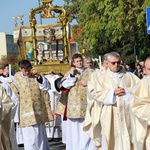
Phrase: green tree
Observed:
(112, 25)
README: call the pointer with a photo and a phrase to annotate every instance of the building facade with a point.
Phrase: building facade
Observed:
(7, 46)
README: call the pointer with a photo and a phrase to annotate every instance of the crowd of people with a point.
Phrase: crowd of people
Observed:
(104, 108)
(138, 69)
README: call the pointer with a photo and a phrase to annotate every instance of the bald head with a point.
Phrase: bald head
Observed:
(146, 68)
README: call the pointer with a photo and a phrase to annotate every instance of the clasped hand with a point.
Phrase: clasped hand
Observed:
(119, 91)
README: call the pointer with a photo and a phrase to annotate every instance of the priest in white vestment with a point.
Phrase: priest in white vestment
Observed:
(6, 78)
(141, 108)
(14, 114)
(5, 119)
(107, 118)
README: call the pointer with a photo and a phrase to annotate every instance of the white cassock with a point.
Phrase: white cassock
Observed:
(53, 128)
(64, 128)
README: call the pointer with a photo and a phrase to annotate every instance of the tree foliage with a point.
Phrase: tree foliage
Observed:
(8, 59)
(111, 25)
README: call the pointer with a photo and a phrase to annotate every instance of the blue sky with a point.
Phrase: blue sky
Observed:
(13, 8)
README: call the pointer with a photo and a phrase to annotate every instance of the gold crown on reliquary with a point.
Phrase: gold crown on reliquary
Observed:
(46, 1)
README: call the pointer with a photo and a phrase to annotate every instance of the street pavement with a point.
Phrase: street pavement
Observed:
(55, 144)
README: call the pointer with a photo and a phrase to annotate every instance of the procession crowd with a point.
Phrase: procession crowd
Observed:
(104, 108)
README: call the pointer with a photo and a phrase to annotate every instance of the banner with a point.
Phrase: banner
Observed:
(29, 49)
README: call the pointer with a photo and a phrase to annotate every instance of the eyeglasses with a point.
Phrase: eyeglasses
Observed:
(117, 62)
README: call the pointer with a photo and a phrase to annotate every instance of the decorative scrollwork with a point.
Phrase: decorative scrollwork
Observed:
(47, 10)
(15, 19)
(46, 1)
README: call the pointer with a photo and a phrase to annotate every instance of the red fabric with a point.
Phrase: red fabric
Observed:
(65, 113)
(57, 114)
(65, 91)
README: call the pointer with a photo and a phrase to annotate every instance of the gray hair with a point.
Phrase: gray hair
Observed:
(113, 54)
(87, 58)
(105, 57)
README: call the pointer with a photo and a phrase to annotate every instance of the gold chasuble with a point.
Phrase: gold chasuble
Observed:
(110, 120)
(5, 119)
(34, 104)
(76, 97)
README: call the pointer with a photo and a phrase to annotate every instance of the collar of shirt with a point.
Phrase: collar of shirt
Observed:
(116, 74)
(25, 75)
(81, 69)
(5, 76)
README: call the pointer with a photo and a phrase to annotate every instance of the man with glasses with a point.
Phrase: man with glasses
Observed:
(109, 113)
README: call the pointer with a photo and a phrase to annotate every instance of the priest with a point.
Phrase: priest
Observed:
(107, 120)
(141, 108)
(5, 119)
